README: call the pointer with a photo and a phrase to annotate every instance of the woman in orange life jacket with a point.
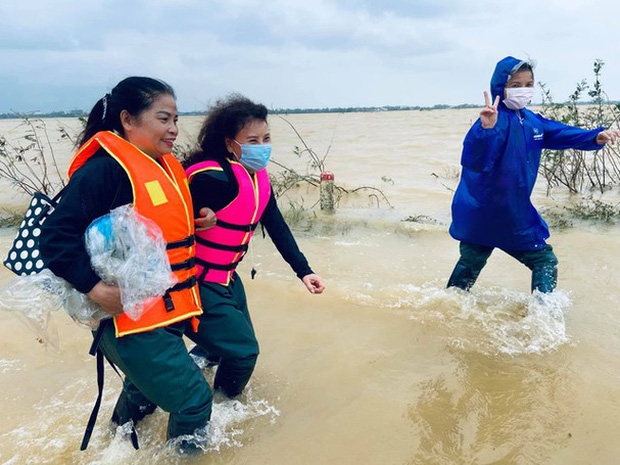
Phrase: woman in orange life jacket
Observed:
(228, 177)
(124, 158)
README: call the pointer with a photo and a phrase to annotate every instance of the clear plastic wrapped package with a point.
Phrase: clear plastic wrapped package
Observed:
(128, 250)
(125, 248)
(35, 297)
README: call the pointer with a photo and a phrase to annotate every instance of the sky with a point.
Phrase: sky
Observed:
(66, 54)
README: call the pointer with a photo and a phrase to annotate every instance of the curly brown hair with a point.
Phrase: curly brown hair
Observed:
(225, 118)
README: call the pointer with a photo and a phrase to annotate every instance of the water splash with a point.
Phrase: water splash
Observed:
(228, 415)
(56, 434)
(7, 366)
(542, 329)
(488, 321)
(347, 243)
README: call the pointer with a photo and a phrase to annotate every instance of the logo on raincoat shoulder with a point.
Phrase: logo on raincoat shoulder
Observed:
(538, 134)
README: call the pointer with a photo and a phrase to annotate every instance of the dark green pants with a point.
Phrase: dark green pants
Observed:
(226, 334)
(159, 372)
(542, 262)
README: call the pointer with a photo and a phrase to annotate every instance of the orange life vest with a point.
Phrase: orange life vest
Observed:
(160, 193)
(220, 249)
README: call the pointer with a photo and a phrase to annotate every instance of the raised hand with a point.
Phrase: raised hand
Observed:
(488, 115)
(606, 136)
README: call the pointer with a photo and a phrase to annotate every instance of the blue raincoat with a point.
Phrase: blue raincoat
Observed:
(492, 204)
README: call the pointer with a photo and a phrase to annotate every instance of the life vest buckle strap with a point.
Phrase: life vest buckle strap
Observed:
(237, 227)
(183, 243)
(217, 266)
(187, 284)
(168, 302)
(186, 265)
(216, 245)
(203, 275)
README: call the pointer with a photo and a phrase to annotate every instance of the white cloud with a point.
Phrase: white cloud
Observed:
(292, 54)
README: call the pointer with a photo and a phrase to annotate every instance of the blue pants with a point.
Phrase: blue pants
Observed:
(226, 335)
(542, 262)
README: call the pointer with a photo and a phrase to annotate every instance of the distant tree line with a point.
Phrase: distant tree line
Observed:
(276, 111)
(39, 114)
(279, 111)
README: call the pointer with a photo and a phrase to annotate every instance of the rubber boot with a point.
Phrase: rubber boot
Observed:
(131, 405)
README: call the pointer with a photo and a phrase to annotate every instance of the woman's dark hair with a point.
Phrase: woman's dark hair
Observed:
(225, 118)
(523, 66)
(134, 94)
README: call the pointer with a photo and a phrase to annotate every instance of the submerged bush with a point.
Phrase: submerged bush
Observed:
(29, 163)
(577, 170)
(587, 209)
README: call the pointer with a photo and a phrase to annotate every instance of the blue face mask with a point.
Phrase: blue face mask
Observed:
(255, 156)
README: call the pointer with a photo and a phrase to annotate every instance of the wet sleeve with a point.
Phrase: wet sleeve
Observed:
(482, 147)
(96, 188)
(559, 136)
(211, 189)
(283, 239)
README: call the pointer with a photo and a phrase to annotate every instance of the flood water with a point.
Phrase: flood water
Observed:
(386, 366)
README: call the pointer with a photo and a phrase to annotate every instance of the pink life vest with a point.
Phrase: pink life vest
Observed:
(221, 248)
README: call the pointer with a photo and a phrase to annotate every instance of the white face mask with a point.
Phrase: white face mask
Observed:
(518, 97)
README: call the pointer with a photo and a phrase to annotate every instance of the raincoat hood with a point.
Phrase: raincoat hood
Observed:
(503, 70)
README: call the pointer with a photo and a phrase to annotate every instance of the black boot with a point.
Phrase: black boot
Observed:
(125, 410)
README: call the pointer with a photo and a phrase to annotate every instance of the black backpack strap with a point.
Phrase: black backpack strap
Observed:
(90, 426)
(98, 335)
(54, 200)
(95, 350)
(50, 203)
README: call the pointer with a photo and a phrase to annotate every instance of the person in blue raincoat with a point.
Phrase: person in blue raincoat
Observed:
(501, 154)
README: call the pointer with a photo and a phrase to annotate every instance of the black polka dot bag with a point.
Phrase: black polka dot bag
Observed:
(24, 257)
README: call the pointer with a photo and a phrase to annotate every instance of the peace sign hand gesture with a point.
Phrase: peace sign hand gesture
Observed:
(488, 115)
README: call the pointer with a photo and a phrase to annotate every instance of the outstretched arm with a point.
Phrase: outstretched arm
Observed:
(606, 136)
(559, 136)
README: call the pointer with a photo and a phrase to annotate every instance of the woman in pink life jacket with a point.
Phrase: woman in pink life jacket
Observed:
(229, 184)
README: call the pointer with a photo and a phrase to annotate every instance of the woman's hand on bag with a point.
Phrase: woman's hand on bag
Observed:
(313, 283)
(206, 221)
(108, 297)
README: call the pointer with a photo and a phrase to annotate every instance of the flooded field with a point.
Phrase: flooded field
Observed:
(386, 367)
